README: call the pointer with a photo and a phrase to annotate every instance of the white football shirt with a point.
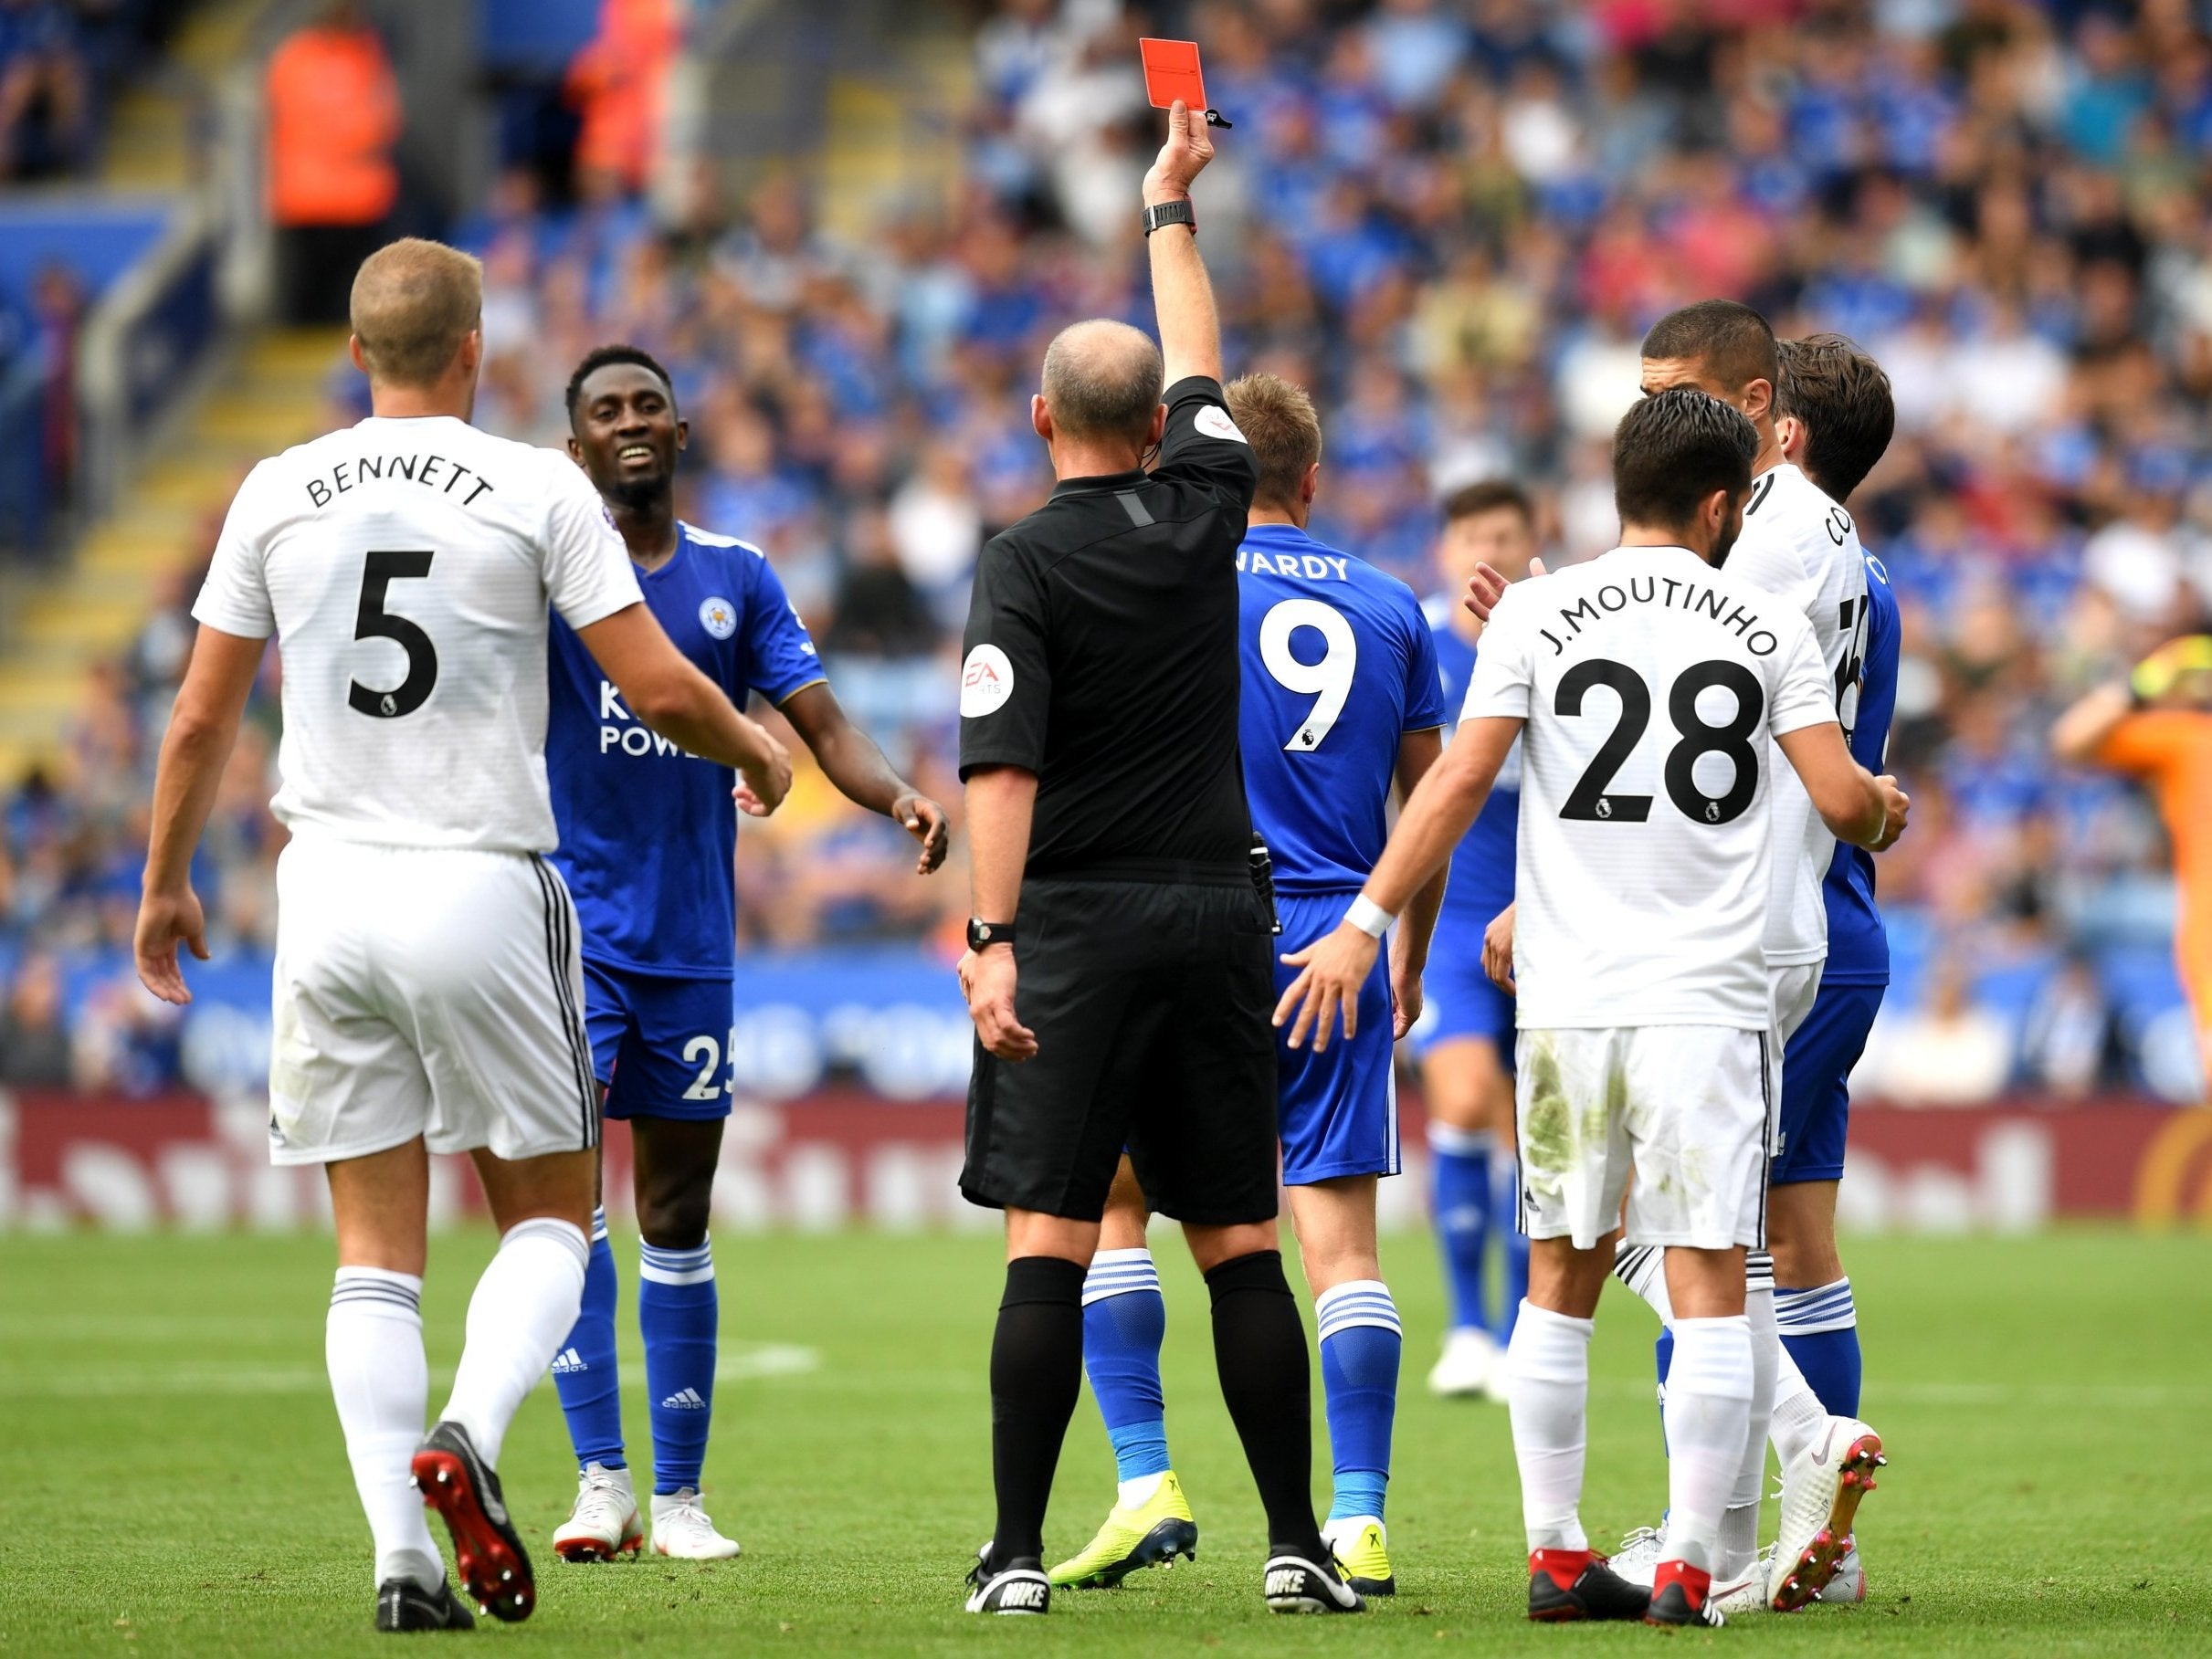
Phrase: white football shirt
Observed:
(405, 567)
(1799, 545)
(1651, 685)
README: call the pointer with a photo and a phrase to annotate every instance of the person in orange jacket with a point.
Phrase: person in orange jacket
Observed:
(334, 119)
(2156, 727)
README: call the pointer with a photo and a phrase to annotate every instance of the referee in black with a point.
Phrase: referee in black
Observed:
(1118, 966)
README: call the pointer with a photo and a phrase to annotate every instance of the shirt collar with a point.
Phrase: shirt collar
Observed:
(1102, 484)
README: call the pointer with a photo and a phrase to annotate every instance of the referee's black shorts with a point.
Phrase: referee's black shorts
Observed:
(1150, 1002)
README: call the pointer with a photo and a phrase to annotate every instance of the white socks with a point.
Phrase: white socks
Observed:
(1709, 1397)
(1798, 1414)
(1740, 1526)
(523, 1309)
(1548, 1394)
(372, 1344)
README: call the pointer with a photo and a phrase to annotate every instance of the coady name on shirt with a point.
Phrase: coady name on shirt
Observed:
(419, 469)
(1678, 596)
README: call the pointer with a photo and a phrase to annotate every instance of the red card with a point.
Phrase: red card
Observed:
(1171, 71)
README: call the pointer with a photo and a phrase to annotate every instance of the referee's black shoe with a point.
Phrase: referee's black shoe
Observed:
(1296, 1582)
(1590, 1590)
(456, 1481)
(402, 1605)
(1018, 1586)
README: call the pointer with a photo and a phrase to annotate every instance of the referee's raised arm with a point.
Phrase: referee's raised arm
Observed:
(1182, 297)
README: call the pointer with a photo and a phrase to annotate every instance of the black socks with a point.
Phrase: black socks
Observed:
(1260, 1349)
(1037, 1371)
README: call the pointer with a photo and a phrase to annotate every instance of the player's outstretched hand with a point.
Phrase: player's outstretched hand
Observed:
(761, 788)
(924, 820)
(1896, 806)
(1331, 971)
(164, 923)
(1181, 159)
(1497, 950)
(1486, 586)
(988, 980)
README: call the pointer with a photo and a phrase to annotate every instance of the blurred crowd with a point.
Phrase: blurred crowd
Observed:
(1452, 219)
(59, 61)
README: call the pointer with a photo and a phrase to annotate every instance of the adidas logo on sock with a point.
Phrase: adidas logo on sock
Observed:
(567, 1361)
(683, 1400)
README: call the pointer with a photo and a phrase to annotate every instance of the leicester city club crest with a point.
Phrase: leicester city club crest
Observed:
(718, 617)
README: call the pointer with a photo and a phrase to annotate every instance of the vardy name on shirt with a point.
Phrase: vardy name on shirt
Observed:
(429, 471)
(1314, 567)
(1668, 592)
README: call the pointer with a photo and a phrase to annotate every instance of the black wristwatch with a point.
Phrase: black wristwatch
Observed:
(984, 933)
(1171, 213)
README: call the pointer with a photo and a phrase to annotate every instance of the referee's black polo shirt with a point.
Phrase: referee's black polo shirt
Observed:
(1103, 656)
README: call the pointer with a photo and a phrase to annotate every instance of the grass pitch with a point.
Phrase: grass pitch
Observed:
(178, 1485)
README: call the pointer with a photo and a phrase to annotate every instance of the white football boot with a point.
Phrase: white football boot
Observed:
(1637, 1557)
(603, 1524)
(1820, 1495)
(1850, 1584)
(682, 1530)
(1746, 1593)
(1470, 1360)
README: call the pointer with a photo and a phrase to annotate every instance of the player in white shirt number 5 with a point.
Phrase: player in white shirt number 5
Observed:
(1645, 685)
(429, 980)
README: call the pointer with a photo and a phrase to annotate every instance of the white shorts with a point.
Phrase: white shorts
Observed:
(431, 992)
(1793, 990)
(1686, 1107)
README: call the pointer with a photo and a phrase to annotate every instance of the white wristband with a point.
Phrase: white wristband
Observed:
(1368, 917)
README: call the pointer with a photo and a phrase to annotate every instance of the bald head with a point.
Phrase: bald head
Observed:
(414, 304)
(1103, 381)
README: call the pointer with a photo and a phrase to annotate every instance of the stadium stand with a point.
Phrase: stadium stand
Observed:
(1453, 222)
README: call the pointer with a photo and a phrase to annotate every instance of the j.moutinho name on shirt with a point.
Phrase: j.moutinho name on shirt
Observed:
(1670, 591)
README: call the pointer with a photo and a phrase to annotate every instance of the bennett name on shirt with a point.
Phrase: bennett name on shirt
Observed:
(421, 469)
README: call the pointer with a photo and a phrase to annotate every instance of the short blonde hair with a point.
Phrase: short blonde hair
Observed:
(414, 302)
(1277, 420)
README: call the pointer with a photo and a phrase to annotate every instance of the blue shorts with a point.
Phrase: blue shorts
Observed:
(1338, 1109)
(1461, 1000)
(659, 1043)
(1817, 1084)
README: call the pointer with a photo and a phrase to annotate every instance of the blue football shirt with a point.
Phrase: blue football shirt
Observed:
(1481, 882)
(649, 833)
(1337, 666)
(1858, 946)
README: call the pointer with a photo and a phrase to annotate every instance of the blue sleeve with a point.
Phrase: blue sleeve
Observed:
(781, 657)
(1425, 705)
(1878, 676)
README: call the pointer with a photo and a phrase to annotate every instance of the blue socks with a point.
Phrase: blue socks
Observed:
(1463, 1202)
(583, 1370)
(1820, 1328)
(1360, 1343)
(1516, 1248)
(677, 1313)
(1124, 1322)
